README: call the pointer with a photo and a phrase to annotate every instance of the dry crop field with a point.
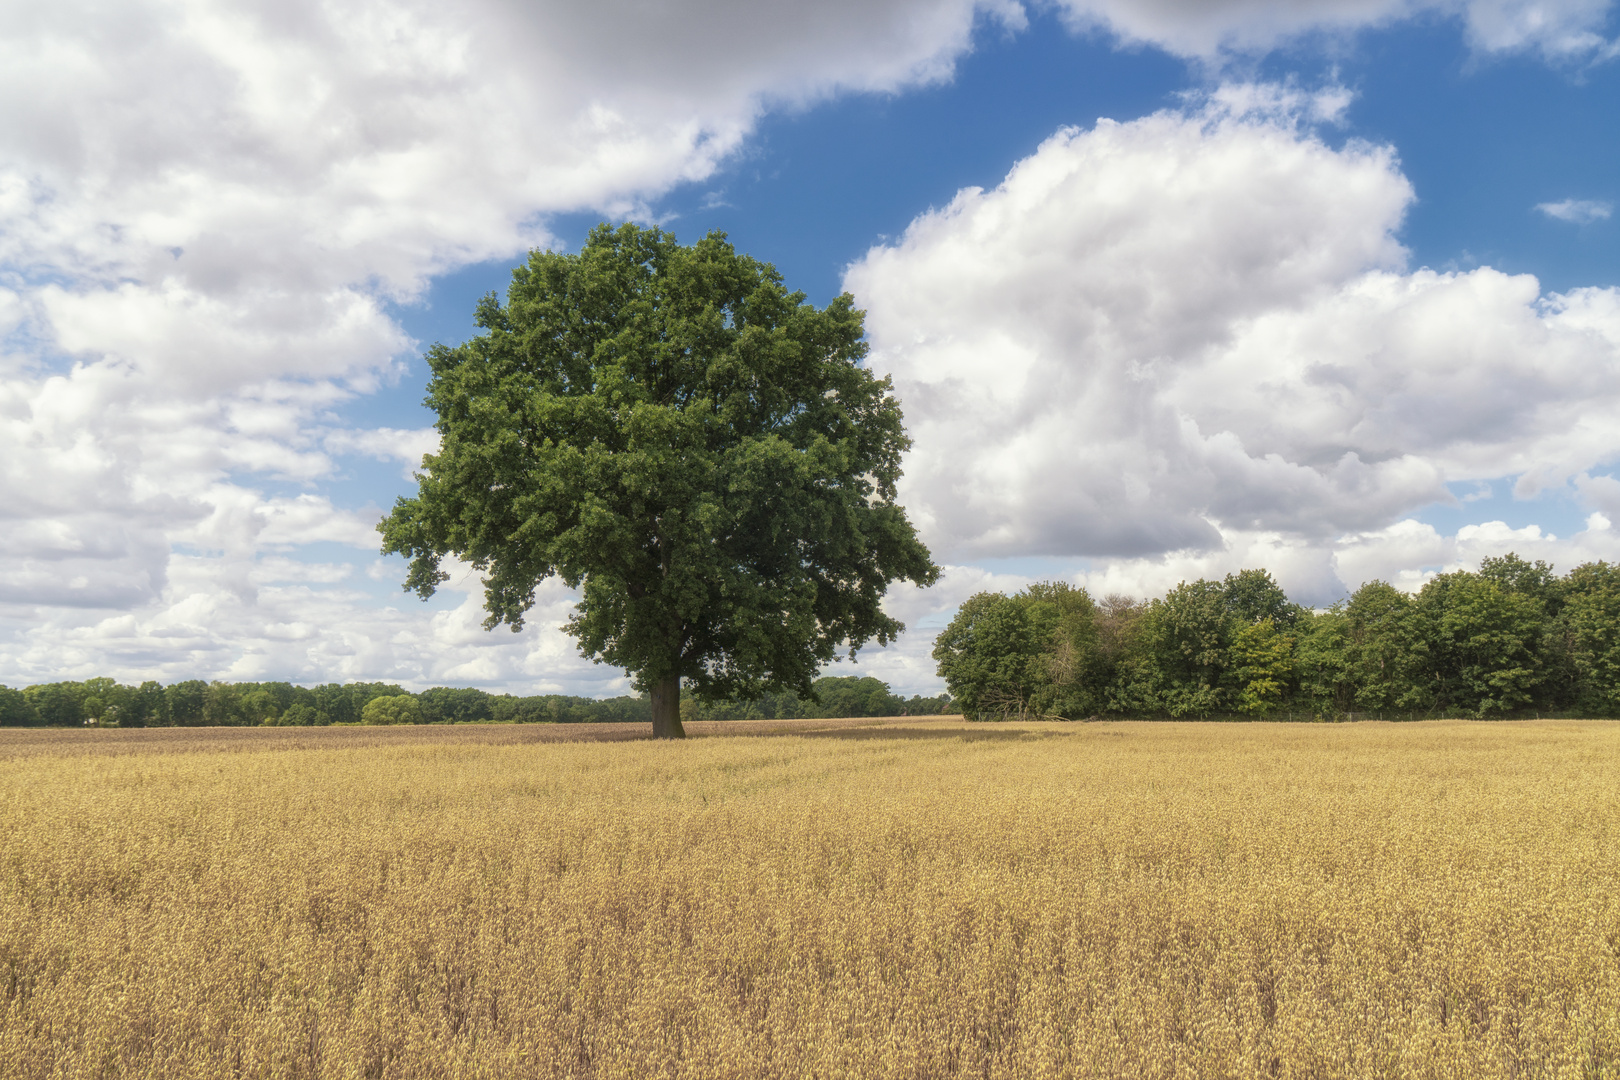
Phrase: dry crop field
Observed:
(923, 900)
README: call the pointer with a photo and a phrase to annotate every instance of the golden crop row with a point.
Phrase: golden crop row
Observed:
(934, 900)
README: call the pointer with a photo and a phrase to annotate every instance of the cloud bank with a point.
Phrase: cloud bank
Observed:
(205, 211)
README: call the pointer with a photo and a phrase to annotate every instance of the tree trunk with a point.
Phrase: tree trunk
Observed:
(666, 709)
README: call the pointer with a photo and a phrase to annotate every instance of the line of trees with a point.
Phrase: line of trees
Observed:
(849, 695)
(194, 703)
(1513, 639)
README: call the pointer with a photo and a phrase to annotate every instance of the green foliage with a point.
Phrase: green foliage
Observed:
(259, 706)
(262, 703)
(834, 696)
(102, 701)
(1181, 653)
(392, 709)
(695, 448)
(1387, 651)
(194, 703)
(148, 706)
(1512, 639)
(1253, 596)
(991, 657)
(1588, 628)
(1483, 644)
(58, 704)
(1035, 654)
(1071, 676)
(1261, 667)
(452, 705)
(342, 703)
(1533, 580)
(565, 709)
(222, 703)
(299, 715)
(855, 695)
(184, 703)
(1213, 647)
(1322, 664)
(237, 704)
(16, 710)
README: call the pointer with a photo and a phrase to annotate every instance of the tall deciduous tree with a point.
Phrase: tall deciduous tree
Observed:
(1253, 596)
(1034, 654)
(1590, 623)
(1263, 666)
(992, 656)
(1387, 651)
(692, 446)
(1327, 679)
(1183, 652)
(1485, 643)
(15, 709)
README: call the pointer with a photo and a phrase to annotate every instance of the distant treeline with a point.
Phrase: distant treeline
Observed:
(194, 703)
(1513, 639)
(848, 695)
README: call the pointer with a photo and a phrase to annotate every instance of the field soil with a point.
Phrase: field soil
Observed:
(918, 899)
(26, 742)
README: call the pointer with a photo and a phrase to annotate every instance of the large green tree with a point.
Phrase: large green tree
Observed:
(1589, 628)
(1181, 653)
(671, 431)
(1388, 651)
(15, 709)
(1033, 654)
(1484, 643)
(993, 656)
(1327, 681)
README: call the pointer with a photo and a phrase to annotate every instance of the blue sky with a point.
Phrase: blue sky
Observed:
(1484, 140)
(202, 439)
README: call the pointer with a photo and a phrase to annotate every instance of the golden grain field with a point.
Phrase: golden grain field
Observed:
(927, 900)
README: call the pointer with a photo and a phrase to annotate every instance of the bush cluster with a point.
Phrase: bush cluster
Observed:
(1513, 639)
(107, 703)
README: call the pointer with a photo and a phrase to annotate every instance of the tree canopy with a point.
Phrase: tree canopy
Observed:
(1034, 654)
(394, 709)
(696, 449)
(1512, 639)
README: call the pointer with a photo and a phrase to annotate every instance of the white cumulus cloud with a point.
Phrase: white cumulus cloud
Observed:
(1192, 341)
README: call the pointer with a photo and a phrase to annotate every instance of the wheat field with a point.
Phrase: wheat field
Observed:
(917, 900)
